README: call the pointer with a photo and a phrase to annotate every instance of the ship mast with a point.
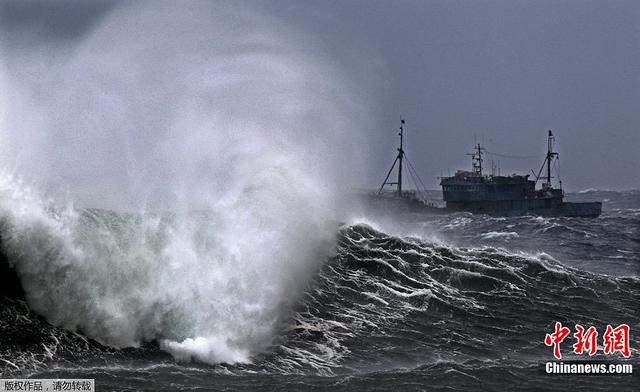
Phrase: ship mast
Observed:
(400, 157)
(476, 160)
(398, 160)
(547, 161)
(550, 155)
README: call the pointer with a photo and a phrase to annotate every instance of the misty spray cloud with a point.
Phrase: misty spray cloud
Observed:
(223, 135)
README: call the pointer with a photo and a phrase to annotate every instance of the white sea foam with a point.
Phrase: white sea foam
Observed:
(207, 350)
(500, 235)
(588, 190)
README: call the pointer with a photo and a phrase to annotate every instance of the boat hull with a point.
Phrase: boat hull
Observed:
(530, 207)
(535, 207)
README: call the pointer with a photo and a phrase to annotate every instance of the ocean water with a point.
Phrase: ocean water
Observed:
(223, 129)
(417, 302)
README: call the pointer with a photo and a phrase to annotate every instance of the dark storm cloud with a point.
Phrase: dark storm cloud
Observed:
(50, 20)
(500, 71)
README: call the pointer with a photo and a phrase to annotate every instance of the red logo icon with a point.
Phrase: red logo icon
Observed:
(617, 339)
(556, 338)
(614, 340)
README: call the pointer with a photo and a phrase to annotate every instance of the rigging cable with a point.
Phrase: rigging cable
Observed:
(556, 165)
(514, 156)
(424, 188)
(413, 179)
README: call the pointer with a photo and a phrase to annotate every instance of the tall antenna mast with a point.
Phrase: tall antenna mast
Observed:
(400, 156)
(476, 160)
(398, 160)
(547, 161)
(479, 158)
(550, 156)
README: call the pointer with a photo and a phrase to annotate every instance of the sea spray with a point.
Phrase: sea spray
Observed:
(220, 133)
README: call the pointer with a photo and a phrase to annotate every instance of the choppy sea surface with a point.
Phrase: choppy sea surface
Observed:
(446, 302)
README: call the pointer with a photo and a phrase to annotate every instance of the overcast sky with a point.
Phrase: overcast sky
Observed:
(502, 72)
